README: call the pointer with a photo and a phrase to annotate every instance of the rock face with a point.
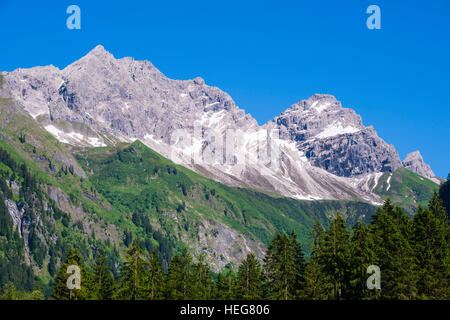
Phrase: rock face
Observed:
(323, 151)
(124, 97)
(335, 139)
(415, 163)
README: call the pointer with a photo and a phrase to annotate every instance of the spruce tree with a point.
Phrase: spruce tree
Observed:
(203, 285)
(390, 228)
(60, 288)
(430, 242)
(9, 292)
(155, 277)
(284, 267)
(133, 282)
(180, 280)
(299, 263)
(249, 279)
(36, 294)
(317, 284)
(103, 281)
(444, 194)
(224, 286)
(362, 256)
(335, 257)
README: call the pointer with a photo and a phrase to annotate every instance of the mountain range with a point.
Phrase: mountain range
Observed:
(120, 150)
(325, 150)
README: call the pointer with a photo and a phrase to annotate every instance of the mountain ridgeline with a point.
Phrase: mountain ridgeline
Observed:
(324, 150)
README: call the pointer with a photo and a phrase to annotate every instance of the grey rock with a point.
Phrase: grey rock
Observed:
(415, 163)
(15, 214)
(124, 97)
(334, 138)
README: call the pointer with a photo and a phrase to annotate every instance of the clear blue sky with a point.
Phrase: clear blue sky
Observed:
(268, 55)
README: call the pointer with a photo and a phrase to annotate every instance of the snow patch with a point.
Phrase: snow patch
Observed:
(35, 115)
(96, 142)
(152, 138)
(74, 137)
(435, 180)
(389, 182)
(211, 104)
(58, 134)
(320, 107)
(212, 119)
(376, 179)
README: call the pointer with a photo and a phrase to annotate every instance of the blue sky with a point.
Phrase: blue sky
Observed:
(268, 54)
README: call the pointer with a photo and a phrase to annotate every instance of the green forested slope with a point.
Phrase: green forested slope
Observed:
(406, 189)
(151, 189)
(54, 197)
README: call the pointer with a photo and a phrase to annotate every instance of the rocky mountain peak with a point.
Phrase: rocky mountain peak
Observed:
(124, 97)
(97, 55)
(321, 102)
(199, 81)
(316, 104)
(334, 138)
(415, 163)
(99, 50)
(321, 116)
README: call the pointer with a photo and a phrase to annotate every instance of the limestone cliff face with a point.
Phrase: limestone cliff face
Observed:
(123, 97)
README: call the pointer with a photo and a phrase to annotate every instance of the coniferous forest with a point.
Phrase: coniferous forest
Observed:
(411, 253)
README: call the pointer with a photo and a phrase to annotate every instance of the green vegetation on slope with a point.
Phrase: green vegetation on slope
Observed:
(62, 208)
(412, 255)
(444, 193)
(141, 183)
(406, 189)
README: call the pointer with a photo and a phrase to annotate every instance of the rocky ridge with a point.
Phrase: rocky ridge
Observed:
(415, 163)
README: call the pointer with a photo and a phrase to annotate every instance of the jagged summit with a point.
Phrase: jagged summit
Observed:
(99, 49)
(124, 97)
(319, 102)
(99, 54)
(415, 163)
(322, 115)
(334, 138)
(100, 60)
